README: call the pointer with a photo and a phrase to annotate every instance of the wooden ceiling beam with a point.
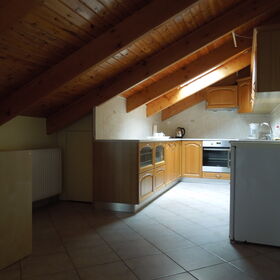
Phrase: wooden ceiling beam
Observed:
(187, 73)
(223, 71)
(108, 44)
(13, 10)
(217, 28)
(183, 105)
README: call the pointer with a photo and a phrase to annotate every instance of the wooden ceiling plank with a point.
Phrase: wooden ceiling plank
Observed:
(223, 71)
(94, 53)
(186, 73)
(182, 105)
(56, 19)
(12, 10)
(189, 45)
(68, 14)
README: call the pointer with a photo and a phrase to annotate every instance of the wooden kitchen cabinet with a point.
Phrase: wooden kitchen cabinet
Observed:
(159, 177)
(178, 157)
(173, 161)
(265, 66)
(245, 95)
(146, 156)
(159, 154)
(221, 97)
(214, 175)
(170, 161)
(192, 159)
(146, 184)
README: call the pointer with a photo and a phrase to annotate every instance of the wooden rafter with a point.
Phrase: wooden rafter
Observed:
(13, 10)
(183, 105)
(108, 44)
(174, 96)
(187, 73)
(236, 17)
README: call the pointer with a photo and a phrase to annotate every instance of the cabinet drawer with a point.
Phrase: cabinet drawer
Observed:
(213, 175)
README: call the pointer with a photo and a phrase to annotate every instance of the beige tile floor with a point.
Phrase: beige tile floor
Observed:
(183, 235)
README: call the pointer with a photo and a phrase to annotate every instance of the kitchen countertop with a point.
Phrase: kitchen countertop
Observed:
(252, 141)
(169, 139)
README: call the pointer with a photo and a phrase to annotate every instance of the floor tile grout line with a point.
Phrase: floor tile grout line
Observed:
(153, 220)
(182, 215)
(181, 273)
(160, 251)
(65, 248)
(195, 244)
(198, 245)
(108, 244)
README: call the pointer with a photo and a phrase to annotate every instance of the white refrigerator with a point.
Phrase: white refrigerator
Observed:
(255, 192)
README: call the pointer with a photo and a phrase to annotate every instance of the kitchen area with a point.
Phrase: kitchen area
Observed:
(167, 168)
(200, 189)
(208, 147)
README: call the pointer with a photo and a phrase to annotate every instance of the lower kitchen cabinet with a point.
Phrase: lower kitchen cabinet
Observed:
(133, 172)
(119, 176)
(151, 181)
(170, 161)
(214, 175)
(192, 159)
(159, 177)
(178, 159)
(146, 184)
(173, 161)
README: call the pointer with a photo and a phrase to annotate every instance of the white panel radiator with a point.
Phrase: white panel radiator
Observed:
(46, 173)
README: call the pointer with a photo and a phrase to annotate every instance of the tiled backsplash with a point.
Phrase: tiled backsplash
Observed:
(200, 123)
(112, 122)
(275, 119)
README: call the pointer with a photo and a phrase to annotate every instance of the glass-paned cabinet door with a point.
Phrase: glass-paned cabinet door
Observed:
(146, 156)
(159, 153)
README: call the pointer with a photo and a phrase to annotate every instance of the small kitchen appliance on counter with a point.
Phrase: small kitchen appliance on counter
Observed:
(254, 130)
(180, 132)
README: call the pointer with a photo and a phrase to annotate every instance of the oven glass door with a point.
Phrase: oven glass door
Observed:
(216, 159)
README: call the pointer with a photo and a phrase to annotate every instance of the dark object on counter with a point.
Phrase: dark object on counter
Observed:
(180, 132)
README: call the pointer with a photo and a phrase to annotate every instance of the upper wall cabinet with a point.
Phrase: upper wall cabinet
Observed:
(266, 59)
(221, 97)
(265, 68)
(245, 95)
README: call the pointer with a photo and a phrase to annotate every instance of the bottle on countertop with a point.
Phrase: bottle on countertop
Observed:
(277, 132)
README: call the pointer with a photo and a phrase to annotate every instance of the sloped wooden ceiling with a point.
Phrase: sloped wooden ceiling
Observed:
(62, 57)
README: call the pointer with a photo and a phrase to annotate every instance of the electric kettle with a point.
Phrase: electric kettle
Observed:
(180, 132)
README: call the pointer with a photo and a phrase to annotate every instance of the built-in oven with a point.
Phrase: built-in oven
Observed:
(216, 156)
